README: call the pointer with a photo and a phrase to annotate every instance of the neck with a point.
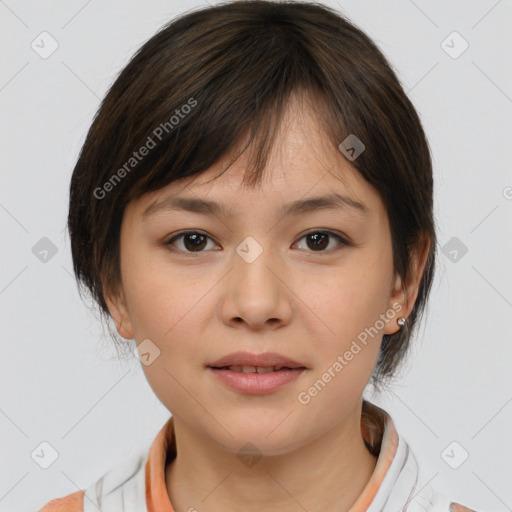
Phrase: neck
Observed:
(329, 473)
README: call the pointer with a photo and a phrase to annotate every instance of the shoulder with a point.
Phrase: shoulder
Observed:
(124, 482)
(73, 502)
(429, 500)
(456, 507)
(409, 486)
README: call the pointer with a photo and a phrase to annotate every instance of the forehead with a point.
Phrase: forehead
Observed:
(303, 163)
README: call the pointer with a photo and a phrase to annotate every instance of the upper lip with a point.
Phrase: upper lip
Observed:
(266, 359)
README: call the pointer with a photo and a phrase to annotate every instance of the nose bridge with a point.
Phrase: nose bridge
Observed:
(255, 291)
(253, 259)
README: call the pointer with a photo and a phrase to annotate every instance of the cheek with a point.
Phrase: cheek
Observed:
(161, 297)
(164, 308)
(351, 300)
(346, 342)
(347, 311)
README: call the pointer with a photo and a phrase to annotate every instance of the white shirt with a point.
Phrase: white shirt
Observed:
(138, 483)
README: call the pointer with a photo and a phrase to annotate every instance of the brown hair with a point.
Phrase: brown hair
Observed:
(213, 74)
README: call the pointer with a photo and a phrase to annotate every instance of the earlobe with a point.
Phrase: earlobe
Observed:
(406, 295)
(397, 303)
(119, 312)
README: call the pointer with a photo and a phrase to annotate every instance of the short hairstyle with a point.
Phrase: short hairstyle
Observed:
(212, 74)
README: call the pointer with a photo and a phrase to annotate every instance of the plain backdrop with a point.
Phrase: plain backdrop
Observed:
(60, 382)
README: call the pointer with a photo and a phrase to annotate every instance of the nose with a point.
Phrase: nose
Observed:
(257, 291)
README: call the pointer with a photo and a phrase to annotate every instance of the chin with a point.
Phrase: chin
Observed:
(259, 436)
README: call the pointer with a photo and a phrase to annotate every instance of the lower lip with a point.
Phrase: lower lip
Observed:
(257, 383)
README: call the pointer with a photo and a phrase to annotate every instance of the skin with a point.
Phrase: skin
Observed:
(306, 303)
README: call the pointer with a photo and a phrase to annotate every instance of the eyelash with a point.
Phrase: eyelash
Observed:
(344, 241)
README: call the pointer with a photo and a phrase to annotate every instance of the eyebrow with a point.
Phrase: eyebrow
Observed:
(301, 206)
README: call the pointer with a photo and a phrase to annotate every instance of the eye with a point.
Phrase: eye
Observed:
(193, 241)
(319, 240)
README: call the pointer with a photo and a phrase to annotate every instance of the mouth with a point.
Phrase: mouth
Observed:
(257, 369)
(255, 374)
(255, 380)
(248, 362)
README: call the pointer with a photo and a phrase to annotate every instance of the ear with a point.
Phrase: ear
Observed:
(118, 310)
(406, 295)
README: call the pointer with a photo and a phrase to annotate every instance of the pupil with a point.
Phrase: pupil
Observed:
(196, 238)
(316, 244)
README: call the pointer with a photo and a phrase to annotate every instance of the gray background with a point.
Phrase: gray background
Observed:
(59, 379)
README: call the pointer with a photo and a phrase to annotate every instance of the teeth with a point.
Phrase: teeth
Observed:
(266, 369)
(254, 369)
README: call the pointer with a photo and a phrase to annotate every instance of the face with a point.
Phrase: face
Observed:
(309, 284)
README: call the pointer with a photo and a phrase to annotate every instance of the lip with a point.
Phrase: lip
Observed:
(248, 359)
(256, 383)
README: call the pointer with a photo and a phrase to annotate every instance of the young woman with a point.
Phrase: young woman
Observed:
(253, 205)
